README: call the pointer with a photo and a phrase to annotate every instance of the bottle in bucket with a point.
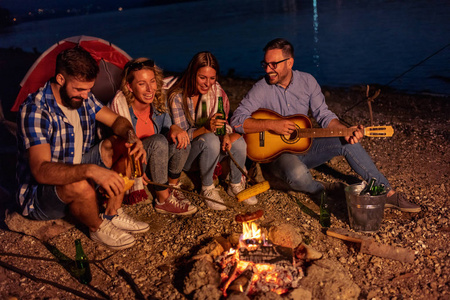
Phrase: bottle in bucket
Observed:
(324, 218)
(369, 189)
(365, 211)
(379, 190)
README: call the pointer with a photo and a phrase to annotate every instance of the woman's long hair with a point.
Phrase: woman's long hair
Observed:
(159, 101)
(187, 84)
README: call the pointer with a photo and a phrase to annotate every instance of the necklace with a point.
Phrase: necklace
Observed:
(146, 112)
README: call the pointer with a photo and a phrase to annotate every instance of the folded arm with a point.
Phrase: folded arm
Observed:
(57, 173)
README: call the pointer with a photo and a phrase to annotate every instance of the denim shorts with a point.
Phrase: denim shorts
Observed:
(47, 204)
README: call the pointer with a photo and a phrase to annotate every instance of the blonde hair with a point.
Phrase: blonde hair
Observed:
(143, 63)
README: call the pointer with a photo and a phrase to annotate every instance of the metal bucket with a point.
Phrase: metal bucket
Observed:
(364, 212)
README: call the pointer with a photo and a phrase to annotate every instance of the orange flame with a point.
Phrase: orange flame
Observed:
(251, 231)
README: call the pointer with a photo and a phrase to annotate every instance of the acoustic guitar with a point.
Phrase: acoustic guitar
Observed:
(265, 146)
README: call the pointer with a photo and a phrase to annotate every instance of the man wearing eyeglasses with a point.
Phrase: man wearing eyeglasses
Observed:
(289, 92)
(59, 166)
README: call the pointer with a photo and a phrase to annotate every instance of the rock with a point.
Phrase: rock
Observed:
(311, 253)
(207, 292)
(42, 230)
(300, 293)
(267, 296)
(238, 297)
(327, 279)
(203, 273)
(285, 235)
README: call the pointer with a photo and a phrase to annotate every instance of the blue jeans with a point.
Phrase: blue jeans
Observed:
(164, 160)
(206, 153)
(293, 169)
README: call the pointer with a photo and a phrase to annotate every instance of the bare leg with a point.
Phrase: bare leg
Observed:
(115, 155)
(82, 201)
(162, 195)
(173, 181)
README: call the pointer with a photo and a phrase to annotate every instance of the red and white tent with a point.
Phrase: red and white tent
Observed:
(111, 60)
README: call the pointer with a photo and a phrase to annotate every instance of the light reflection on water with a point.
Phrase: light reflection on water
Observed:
(341, 43)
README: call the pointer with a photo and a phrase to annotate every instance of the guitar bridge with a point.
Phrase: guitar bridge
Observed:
(261, 139)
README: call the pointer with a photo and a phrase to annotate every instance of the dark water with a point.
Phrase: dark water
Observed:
(342, 43)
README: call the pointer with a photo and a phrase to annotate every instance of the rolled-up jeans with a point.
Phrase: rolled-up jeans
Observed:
(293, 169)
(164, 160)
(206, 153)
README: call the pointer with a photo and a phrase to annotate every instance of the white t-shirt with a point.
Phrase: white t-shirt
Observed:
(74, 120)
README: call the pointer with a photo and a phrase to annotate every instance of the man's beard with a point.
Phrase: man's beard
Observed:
(67, 101)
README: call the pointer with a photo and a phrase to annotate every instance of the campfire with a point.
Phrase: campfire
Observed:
(256, 261)
(257, 265)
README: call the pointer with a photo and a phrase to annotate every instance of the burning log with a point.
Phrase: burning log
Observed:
(265, 255)
(241, 284)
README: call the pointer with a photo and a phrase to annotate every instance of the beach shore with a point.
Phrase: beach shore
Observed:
(415, 160)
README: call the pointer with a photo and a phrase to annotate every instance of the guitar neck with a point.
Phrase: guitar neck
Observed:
(325, 132)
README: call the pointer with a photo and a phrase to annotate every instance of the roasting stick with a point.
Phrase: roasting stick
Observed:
(257, 188)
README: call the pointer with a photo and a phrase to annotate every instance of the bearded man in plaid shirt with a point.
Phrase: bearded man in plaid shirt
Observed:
(60, 168)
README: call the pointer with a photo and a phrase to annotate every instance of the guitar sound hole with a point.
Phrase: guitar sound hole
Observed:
(293, 137)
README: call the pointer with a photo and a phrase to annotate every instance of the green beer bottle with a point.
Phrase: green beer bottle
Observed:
(83, 270)
(221, 130)
(379, 190)
(369, 189)
(204, 116)
(324, 218)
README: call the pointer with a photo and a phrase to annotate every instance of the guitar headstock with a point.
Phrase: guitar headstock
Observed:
(379, 131)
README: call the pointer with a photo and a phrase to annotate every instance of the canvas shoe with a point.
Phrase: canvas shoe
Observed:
(236, 188)
(174, 206)
(213, 193)
(126, 223)
(179, 194)
(398, 200)
(112, 237)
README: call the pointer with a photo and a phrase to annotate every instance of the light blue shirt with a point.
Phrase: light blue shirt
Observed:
(302, 95)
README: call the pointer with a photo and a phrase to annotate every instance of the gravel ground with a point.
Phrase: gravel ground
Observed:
(415, 160)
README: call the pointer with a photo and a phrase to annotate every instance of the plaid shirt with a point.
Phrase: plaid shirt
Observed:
(179, 118)
(41, 121)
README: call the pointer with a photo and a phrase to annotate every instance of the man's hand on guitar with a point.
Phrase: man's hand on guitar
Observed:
(358, 134)
(283, 126)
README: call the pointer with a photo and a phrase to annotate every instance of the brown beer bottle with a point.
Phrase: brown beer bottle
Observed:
(136, 165)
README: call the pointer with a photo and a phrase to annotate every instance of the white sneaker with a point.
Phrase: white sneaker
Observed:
(213, 193)
(112, 237)
(126, 223)
(236, 188)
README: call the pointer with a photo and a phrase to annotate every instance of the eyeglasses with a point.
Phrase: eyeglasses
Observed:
(138, 65)
(272, 65)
